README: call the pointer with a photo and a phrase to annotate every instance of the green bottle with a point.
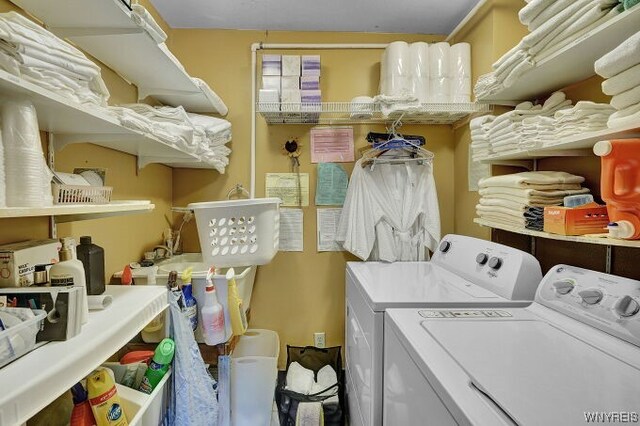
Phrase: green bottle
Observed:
(158, 366)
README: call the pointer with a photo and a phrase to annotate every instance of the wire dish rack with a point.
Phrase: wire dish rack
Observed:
(79, 194)
(364, 113)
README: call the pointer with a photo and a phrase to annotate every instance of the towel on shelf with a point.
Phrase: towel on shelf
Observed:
(531, 193)
(534, 180)
(620, 59)
(626, 117)
(626, 99)
(543, 16)
(622, 82)
(142, 18)
(503, 219)
(533, 9)
(217, 102)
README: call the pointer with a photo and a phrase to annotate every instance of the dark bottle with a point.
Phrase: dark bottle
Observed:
(92, 258)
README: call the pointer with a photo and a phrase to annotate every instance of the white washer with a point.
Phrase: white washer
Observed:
(574, 353)
(464, 272)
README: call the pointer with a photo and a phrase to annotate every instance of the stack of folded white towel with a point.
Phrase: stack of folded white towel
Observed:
(480, 142)
(302, 381)
(553, 24)
(519, 199)
(621, 68)
(196, 134)
(29, 51)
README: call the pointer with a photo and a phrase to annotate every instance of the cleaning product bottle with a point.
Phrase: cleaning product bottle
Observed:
(70, 271)
(105, 402)
(81, 414)
(92, 258)
(234, 304)
(190, 303)
(158, 366)
(212, 314)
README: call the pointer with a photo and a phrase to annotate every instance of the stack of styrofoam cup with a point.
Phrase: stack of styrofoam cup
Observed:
(460, 66)
(439, 73)
(395, 77)
(26, 173)
(419, 57)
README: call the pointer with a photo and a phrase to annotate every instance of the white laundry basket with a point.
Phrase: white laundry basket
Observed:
(238, 232)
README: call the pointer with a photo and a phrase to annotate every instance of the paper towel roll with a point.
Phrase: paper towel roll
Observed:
(98, 303)
(460, 99)
(419, 56)
(397, 59)
(382, 88)
(460, 60)
(420, 88)
(397, 85)
(439, 60)
(461, 85)
(439, 90)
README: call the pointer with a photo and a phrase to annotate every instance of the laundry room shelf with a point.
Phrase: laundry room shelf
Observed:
(75, 212)
(72, 123)
(35, 380)
(104, 29)
(570, 64)
(576, 239)
(348, 113)
(578, 145)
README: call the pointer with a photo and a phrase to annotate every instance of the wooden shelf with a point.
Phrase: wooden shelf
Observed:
(75, 212)
(104, 29)
(576, 239)
(570, 64)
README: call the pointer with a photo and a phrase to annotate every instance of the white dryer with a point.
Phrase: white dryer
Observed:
(464, 272)
(571, 358)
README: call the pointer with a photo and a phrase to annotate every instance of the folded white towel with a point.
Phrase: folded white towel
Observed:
(627, 117)
(621, 58)
(551, 180)
(143, 19)
(516, 202)
(550, 11)
(533, 9)
(622, 82)
(309, 414)
(524, 193)
(626, 99)
(555, 25)
(299, 379)
(503, 219)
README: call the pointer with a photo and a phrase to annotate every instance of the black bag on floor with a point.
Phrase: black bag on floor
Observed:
(312, 358)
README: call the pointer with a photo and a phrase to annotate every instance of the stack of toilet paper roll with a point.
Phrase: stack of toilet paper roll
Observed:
(26, 175)
(432, 73)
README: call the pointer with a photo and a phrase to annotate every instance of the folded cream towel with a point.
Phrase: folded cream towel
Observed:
(503, 219)
(299, 379)
(626, 99)
(529, 201)
(625, 118)
(516, 214)
(535, 180)
(553, 9)
(514, 203)
(622, 82)
(530, 193)
(309, 414)
(621, 58)
(533, 9)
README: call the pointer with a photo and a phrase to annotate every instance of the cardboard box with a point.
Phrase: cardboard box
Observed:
(272, 65)
(310, 82)
(291, 82)
(18, 260)
(311, 65)
(586, 219)
(291, 65)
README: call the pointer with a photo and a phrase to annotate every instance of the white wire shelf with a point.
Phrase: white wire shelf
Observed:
(354, 113)
(75, 212)
(604, 241)
(577, 145)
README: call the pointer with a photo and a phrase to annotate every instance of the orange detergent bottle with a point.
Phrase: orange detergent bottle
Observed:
(620, 185)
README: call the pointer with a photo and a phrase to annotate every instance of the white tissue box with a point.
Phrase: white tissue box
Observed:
(291, 99)
(290, 82)
(271, 98)
(18, 260)
(311, 100)
(271, 83)
(310, 82)
(271, 65)
(291, 65)
(311, 65)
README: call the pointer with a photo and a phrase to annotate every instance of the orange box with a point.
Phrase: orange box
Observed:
(590, 218)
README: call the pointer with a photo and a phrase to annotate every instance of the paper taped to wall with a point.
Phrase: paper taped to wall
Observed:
(332, 144)
(328, 220)
(291, 188)
(291, 230)
(331, 187)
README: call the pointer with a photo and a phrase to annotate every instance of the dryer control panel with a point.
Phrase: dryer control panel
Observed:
(506, 271)
(607, 302)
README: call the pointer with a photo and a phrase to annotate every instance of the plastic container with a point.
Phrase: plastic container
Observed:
(78, 194)
(20, 339)
(92, 258)
(254, 372)
(143, 409)
(238, 232)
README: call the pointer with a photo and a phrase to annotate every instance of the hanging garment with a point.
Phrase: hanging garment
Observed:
(391, 212)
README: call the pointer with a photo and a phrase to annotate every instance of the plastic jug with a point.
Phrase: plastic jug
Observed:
(620, 185)
(105, 402)
(92, 258)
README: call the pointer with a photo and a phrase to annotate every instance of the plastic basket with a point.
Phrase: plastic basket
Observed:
(238, 232)
(20, 339)
(78, 194)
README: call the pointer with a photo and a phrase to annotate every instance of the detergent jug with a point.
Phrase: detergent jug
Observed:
(620, 185)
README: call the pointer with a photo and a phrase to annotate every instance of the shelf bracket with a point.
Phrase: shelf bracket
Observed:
(53, 228)
(71, 32)
(62, 140)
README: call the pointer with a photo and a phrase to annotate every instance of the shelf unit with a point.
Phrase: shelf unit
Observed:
(75, 212)
(577, 145)
(570, 64)
(350, 113)
(42, 375)
(577, 239)
(104, 29)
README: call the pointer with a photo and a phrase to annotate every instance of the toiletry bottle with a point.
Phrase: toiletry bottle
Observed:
(81, 414)
(105, 402)
(158, 366)
(236, 310)
(70, 271)
(190, 303)
(212, 314)
(92, 258)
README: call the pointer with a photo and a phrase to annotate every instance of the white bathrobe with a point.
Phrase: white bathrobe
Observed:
(390, 213)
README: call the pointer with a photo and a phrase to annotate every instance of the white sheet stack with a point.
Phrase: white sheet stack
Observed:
(505, 199)
(480, 143)
(200, 135)
(552, 25)
(621, 68)
(33, 53)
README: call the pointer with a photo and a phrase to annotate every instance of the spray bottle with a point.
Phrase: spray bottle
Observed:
(212, 314)
(234, 304)
(190, 304)
(81, 414)
(158, 366)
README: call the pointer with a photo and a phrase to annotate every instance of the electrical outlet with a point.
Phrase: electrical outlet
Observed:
(319, 340)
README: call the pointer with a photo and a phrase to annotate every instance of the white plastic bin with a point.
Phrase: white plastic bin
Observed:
(254, 373)
(142, 409)
(19, 339)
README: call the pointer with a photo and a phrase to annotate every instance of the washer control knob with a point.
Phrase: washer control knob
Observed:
(563, 287)
(627, 306)
(591, 297)
(482, 258)
(445, 246)
(495, 263)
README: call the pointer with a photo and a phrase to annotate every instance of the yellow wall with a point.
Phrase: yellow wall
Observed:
(298, 293)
